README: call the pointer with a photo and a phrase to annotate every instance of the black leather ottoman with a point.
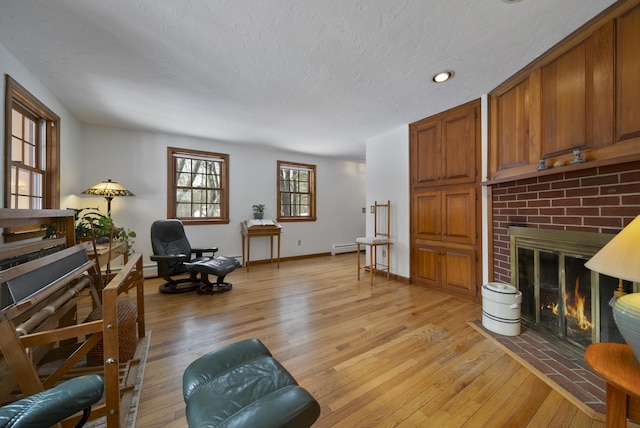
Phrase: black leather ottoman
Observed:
(219, 266)
(242, 385)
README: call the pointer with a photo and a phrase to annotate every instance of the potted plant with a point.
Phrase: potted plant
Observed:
(258, 211)
(88, 219)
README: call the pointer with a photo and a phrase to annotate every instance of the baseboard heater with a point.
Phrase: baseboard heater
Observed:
(343, 248)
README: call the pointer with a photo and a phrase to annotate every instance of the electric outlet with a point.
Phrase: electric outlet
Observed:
(364, 210)
(299, 242)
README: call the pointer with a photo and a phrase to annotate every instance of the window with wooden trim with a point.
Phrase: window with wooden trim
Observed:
(296, 191)
(198, 186)
(32, 161)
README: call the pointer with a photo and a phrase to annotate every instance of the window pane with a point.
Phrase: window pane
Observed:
(199, 196)
(30, 155)
(214, 210)
(24, 182)
(23, 202)
(183, 210)
(183, 195)
(184, 179)
(16, 149)
(30, 131)
(37, 179)
(16, 124)
(36, 203)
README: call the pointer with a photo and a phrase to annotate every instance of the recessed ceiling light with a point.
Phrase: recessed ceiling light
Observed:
(442, 76)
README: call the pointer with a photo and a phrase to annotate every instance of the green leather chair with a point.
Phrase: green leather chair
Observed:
(242, 385)
(54, 405)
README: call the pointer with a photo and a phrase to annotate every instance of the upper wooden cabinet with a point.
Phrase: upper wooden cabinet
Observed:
(583, 94)
(628, 75)
(444, 151)
(577, 106)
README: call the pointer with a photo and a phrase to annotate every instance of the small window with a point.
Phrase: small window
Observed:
(296, 192)
(32, 177)
(198, 186)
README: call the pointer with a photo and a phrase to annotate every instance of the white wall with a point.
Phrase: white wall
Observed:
(388, 179)
(138, 160)
(70, 129)
(90, 154)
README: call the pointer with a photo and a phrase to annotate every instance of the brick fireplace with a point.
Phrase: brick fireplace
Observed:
(600, 200)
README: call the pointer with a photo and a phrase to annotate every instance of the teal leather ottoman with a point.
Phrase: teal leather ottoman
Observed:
(242, 385)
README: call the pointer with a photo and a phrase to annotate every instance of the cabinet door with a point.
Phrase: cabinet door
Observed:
(459, 145)
(628, 75)
(460, 265)
(510, 127)
(427, 219)
(426, 153)
(577, 92)
(564, 102)
(428, 268)
(459, 215)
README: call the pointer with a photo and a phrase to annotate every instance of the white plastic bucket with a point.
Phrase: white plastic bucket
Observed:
(501, 308)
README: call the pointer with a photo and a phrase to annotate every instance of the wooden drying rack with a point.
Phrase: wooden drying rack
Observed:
(23, 348)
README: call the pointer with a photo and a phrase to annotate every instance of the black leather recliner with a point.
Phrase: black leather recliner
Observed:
(175, 256)
(54, 405)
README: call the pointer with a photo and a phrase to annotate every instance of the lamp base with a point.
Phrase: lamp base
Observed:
(626, 313)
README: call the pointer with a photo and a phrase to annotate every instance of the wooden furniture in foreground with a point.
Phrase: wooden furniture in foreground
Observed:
(42, 325)
(381, 238)
(249, 231)
(619, 367)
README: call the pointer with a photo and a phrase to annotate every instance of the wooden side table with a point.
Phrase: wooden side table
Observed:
(257, 231)
(619, 367)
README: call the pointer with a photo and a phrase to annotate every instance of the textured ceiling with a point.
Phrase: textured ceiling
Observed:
(314, 76)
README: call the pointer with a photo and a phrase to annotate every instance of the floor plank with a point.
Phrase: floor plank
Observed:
(388, 355)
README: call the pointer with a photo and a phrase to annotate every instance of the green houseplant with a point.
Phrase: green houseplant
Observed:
(258, 211)
(87, 219)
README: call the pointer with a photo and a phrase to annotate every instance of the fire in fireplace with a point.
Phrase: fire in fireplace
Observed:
(560, 296)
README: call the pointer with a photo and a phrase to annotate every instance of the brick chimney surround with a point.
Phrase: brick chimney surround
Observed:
(601, 199)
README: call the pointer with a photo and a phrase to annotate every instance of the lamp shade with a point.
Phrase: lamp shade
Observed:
(620, 258)
(108, 189)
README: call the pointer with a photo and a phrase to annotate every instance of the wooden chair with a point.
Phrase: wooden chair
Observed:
(381, 238)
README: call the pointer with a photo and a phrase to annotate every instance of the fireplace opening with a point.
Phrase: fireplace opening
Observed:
(561, 298)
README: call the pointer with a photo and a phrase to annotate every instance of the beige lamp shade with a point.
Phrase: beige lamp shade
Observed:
(620, 258)
(109, 189)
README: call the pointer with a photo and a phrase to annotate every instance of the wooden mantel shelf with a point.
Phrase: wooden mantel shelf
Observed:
(567, 168)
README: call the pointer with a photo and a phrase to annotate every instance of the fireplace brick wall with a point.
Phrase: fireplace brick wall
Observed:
(601, 199)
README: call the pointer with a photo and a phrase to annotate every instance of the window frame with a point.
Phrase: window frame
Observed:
(17, 95)
(172, 186)
(312, 191)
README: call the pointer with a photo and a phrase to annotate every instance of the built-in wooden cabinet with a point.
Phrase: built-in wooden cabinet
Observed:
(583, 94)
(446, 215)
(444, 148)
(627, 75)
(444, 153)
(447, 268)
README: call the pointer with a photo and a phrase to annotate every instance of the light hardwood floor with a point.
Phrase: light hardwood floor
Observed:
(382, 356)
